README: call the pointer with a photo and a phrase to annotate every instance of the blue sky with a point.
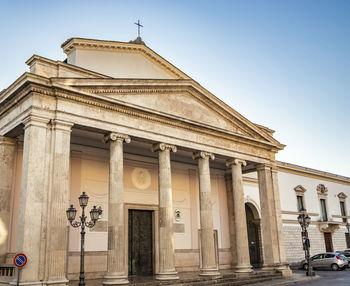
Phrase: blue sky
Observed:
(282, 64)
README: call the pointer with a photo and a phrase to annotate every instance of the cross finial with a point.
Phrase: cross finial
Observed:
(138, 27)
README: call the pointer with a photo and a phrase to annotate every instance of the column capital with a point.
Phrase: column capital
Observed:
(112, 136)
(202, 155)
(61, 125)
(163, 146)
(263, 167)
(34, 120)
(235, 161)
(7, 140)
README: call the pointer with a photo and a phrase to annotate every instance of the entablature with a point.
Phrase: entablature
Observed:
(95, 110)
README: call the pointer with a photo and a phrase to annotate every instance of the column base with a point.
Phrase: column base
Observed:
(268, 267)
(56, 282)
(284, 269)
(242, 268)
(209, 272)
(167, 276)
(115, 280)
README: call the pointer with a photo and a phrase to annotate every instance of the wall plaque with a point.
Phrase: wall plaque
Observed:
(179, 227)
(100, 226)
(141, 178)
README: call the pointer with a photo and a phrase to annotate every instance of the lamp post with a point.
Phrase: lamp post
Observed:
(304, 220)
(94, 214)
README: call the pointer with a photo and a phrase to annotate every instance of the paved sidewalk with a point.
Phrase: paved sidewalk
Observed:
(296, 277)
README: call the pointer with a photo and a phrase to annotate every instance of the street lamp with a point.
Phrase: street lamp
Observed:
(304, 220)
(94, 214)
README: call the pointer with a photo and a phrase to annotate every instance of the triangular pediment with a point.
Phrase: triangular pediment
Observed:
(133, 75)
(182, 100)
(119, 59)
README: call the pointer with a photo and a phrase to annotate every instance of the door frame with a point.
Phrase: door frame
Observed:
(331, 240)
(155, 233)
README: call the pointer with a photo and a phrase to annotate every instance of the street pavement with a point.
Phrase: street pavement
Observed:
(327, 277)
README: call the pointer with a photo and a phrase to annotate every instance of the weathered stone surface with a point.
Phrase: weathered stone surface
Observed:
(7, 174)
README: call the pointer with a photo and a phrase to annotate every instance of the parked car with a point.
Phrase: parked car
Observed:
(328, 260)
(346, 253)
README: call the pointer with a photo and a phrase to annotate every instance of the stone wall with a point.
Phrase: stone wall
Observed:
(293, 243)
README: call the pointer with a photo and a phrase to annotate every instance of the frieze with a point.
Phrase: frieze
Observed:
(30, 89)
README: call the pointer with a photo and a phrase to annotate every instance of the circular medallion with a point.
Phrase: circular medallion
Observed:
(141, 178)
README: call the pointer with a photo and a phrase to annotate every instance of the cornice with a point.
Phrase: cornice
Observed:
(59, 64)
(20, 82)
(76, 43)
(287, 167)
(21, 93)
(42, 85)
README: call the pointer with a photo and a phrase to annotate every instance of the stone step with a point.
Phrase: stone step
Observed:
(228, 279)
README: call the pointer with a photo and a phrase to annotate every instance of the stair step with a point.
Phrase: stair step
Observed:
(225, 280)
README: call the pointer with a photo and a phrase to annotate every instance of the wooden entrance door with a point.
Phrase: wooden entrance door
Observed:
(253, 237)
(328, 241)
(140, 242)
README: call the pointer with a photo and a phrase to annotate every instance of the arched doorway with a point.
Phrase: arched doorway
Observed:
(253, 225)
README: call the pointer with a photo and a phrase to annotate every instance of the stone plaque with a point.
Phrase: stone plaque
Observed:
(141, 178)
(100, 226)
(179, 227)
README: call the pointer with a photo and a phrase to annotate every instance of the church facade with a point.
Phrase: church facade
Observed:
(184, 182)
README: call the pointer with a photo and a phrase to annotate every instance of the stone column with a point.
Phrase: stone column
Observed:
(283, 266)
(7, 166)
(31, 205)
(58, 202)
(231, 218)
(208, 266)
(165, 201)
(116, 268)
(268, 217)
(240, 222)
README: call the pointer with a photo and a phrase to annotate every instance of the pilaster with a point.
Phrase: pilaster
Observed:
(283, 267)
(268, 217)
(31, 209)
